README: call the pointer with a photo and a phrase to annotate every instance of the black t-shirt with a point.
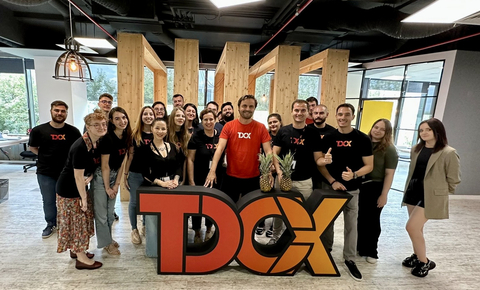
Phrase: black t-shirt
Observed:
(205, 147)
(347, 151)
(156, 166)
(302, 143)
(136, 165)
(422, 162)
(217, 127)
(327, 130)
(78, 158)
(111, 145)
(53, 145)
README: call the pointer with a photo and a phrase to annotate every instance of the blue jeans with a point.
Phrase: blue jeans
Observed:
(151, 235)
(103, 207)
(134, 181)
(49, 195)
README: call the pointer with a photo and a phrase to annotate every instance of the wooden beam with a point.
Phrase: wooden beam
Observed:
(312, 63)
(271, 107)
(266, 64)
(151, 59)
(252, 83)
(186, 69)
(160, 86)
(236, 72)
(221, 62)
(219, 89)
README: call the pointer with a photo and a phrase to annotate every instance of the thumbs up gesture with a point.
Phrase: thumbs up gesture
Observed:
(328, 156)
(347, 175)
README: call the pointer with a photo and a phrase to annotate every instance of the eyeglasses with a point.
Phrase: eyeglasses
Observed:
(159, 109)
(96, 125)
(106, 102)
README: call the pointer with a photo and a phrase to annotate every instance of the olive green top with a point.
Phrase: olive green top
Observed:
(381, 161)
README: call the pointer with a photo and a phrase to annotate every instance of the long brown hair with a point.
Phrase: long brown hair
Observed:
(438, 131)
(127, 132)
(137, 131)
(172, 135)
(386, 140)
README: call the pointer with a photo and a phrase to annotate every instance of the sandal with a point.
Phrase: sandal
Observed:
(112, 250)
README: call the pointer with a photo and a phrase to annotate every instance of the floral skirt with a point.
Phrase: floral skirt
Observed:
(75, 227)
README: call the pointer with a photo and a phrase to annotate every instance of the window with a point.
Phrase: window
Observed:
(104, 81)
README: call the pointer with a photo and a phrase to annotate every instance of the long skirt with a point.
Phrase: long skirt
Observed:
(75, 227)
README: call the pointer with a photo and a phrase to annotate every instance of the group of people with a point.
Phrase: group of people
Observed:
(213, 149)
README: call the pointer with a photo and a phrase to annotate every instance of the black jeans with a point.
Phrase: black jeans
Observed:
(233, 186)
(369, 219)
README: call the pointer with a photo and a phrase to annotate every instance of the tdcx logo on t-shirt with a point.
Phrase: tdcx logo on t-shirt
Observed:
(211, 146)
(344, 143)
(244, 135)
(58, 137)
(122, 151)
(297, 141)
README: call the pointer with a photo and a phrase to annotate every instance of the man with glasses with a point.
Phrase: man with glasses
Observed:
(105, 102)
(51, 142)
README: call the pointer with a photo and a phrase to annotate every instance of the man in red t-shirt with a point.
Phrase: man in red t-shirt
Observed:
(244, 137)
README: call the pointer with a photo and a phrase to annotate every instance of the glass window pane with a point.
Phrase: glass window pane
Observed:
(308, 86)
(13, 104)
(355, 103)
(429, 108)
(262, 94)
(211, 85)
(147, 86)
(402, 171)
(410, 113)
(383, 82)
(104, 81)
(354, 84)
(405, 139)
(202, 76)
(170, 77)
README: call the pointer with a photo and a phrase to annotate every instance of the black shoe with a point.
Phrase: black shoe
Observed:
(421, 269)
(353, 270)
(115, 216)
(411, 261)
(48, 232)
(259, 231)
(269, 233)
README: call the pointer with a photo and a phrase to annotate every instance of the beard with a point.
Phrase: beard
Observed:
(228, 118)
(319, 122)
(58, 120)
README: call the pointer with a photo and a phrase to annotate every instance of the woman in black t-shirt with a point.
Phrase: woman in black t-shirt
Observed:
(75, 208)
(179, 136)
(113, 148)
(201, 149)
(161, 167)
(160, 111)
(433, 175)
(141, 136)
(191, 115)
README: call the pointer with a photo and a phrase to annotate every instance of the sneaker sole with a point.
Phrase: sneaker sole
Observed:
(354, 278)
(51, 234)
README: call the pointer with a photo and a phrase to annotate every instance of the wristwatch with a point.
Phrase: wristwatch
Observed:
(355, 175)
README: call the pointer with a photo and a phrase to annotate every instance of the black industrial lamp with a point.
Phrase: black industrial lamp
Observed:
(71, 65)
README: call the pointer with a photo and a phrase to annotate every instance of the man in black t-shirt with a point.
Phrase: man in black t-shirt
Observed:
(51, 142)
(305, 145)
(320, 114)
(352, 158)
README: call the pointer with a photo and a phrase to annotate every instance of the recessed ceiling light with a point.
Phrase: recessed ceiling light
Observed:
(113, 59)
(94, 42)
(82, 49)
(228, 3)
(445, 11)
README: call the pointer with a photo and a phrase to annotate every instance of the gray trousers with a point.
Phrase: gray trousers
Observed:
(103, 207)
(305, 187)
(350, 215)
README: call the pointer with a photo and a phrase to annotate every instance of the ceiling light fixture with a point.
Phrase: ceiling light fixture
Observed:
(445, 11)
(228, 3)
(94, 42)
(71, 65)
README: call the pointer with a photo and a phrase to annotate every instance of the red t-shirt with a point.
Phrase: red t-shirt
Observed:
(243, 146)
(309, 121)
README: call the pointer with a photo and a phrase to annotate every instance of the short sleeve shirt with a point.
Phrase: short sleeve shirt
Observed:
(111, 145)
(136, 165)
(243, 146)
(302, 143)
(205, 148)
(381, 161)
(347, 151)
(53, 146)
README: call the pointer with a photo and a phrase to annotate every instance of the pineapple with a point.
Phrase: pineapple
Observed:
(286, 167)
(265, 164)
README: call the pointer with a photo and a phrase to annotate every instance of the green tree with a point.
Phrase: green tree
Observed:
(13, 104)
(101, 84)
(307, 86)
(147, 87)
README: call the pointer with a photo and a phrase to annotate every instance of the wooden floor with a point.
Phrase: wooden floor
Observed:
(29, 262)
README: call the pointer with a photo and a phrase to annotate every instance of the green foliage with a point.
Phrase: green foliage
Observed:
(13, 104)
(307, 86)
(265, 163)
(102, 83)
(148, 87)
(286, 164)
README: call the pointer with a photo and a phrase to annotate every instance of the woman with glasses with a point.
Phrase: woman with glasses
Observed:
(75, 207)
(201, 148)
(434, 173)
(191, 114)
(160, 111)
(162, 166)
(374, 191)
(141, 136)
(113, 148)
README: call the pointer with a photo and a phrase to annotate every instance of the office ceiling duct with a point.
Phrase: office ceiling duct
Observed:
(121, 7)
(27, 2)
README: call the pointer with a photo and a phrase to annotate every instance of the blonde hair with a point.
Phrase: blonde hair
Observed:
(96, 115)
(139, 126)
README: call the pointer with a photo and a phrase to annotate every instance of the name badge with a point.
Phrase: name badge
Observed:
(166, 178)
(209, 164)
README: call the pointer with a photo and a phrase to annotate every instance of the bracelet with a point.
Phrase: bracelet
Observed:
(126, 173)
(333, 182)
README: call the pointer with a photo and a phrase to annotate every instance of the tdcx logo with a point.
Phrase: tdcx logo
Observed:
(58, 137)
(244, 135)
(344, 143)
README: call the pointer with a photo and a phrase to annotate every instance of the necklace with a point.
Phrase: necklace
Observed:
(163, 148)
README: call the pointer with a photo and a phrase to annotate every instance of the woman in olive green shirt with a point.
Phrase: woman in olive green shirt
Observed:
(374, 190)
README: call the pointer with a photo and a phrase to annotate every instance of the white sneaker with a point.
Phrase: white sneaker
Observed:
(136, 237)
(371, 260)
(208, 235)
(142, 231)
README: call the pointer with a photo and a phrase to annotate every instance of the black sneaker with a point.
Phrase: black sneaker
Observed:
(48, 232)
(259, 231)
(353, 270)
(115, 216)
(421, 269)
(411, 261)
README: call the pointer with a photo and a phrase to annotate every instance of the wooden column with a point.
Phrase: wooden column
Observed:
(334, 81)
(271, 96)
(285, 91)
(160, 86)
(219, 89)
(252, 82)
(186, 69)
